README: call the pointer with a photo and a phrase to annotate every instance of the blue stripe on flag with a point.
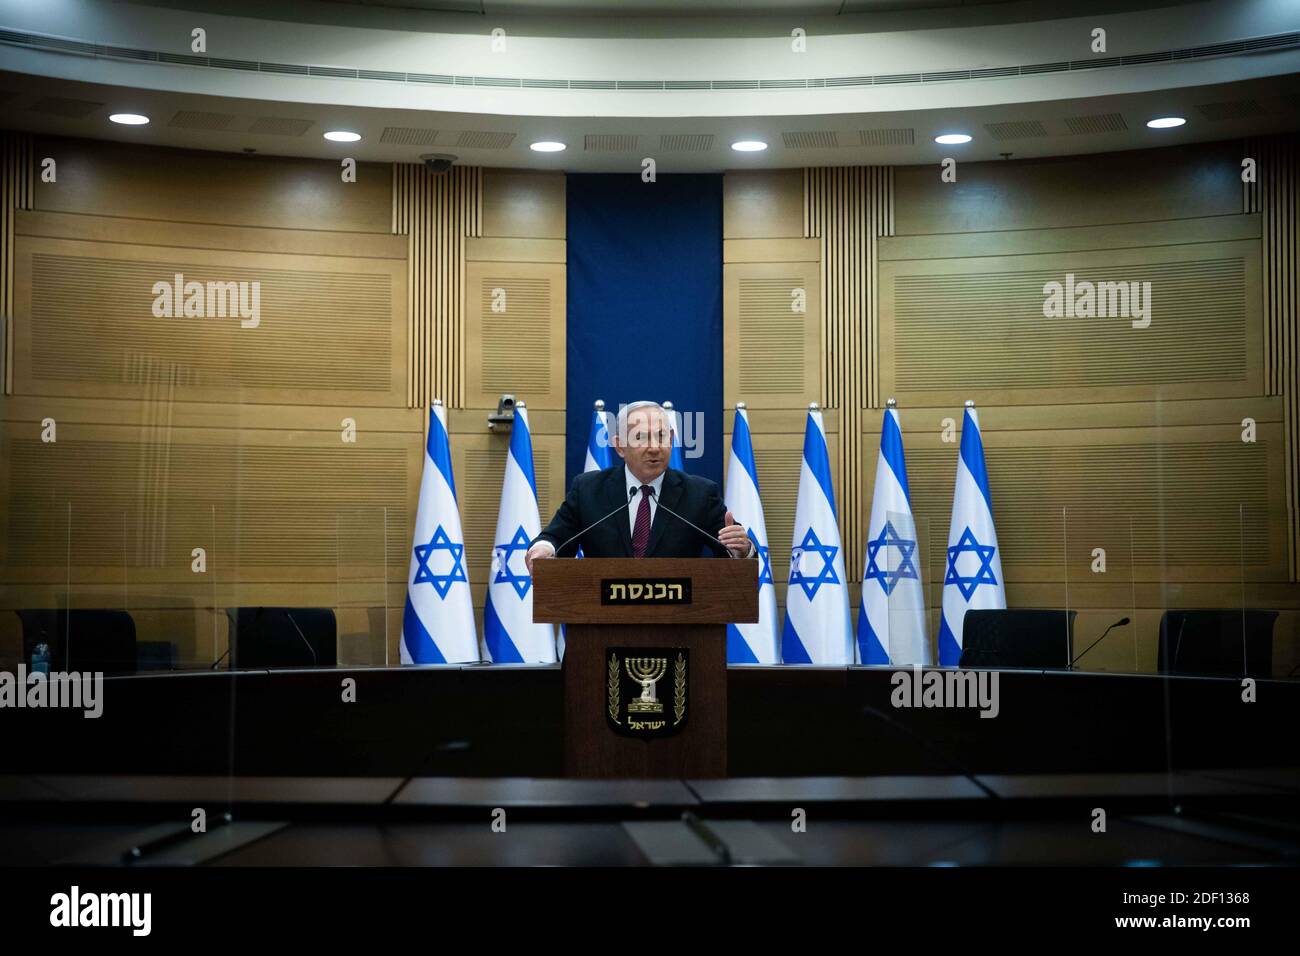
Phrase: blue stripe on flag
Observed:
(597, 446)
(742, 446)
(949, 650)
(891, 446)
(972, 453)
(738, 649)
(521, 449)
(792, 649)
(869, 647)
(498, 641)
(439, 449)
(819, 461)
(419, 644)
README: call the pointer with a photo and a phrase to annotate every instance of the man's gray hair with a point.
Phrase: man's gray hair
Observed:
(626, 410)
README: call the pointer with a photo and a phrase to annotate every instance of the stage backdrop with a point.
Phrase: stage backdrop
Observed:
(645, 303)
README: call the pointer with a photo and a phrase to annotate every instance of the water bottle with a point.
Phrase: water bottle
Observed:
(41, 659)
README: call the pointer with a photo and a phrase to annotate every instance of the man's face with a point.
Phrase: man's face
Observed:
(647, 445)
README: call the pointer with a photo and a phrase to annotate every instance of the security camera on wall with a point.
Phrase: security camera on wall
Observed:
(438, 162)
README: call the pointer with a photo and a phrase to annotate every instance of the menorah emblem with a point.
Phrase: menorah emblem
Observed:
(645, 671)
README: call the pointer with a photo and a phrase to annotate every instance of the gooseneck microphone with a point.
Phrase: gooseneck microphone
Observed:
(622, 507)
(712, 538)
(315, 661)
(1120, 623)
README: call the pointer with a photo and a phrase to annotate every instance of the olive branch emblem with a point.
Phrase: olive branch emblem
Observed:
(613, 689)
(679, 690)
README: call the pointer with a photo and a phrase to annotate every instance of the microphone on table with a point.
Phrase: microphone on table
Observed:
(315, 661)
(712, 538)
(1120, 623)
(622, 507)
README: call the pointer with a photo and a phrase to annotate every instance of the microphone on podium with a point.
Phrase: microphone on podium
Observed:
(1120, 623)
(712, 539)
(622, 507)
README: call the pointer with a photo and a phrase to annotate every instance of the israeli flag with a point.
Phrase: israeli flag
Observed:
(891, 618)
(598, 458)
(751, 643)
(973, 575)
(438, 622)
(598, 455)
(817, 626)
(675, 459)
(509, 634)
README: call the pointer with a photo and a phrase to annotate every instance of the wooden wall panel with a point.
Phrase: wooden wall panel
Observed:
(330, 329)
(520, 350)
(182, 433)
(1111, 188)
(973, 327)
(137, 181)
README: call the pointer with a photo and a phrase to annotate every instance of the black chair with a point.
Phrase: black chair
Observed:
(266, 637)
(1217, 642)
(1024, 637)
(81, 640)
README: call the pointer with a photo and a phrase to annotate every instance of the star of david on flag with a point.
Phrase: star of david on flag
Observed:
(973, 579)
(438, 619)
(509, 634)
(817, 628)
(424, 552)
(889, 577)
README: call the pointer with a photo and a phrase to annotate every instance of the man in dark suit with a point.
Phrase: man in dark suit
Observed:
(628, 497)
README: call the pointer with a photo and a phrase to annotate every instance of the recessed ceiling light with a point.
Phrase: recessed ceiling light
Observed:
(342, 136)
(129, 119)
(953, 139)
(547, 146)
(1166, 122)
(749, 146)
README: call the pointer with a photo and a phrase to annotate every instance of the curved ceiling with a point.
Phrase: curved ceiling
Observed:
(1021, 77)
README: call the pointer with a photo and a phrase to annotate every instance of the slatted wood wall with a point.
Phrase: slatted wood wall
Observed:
(437, 212)
(849, 208)
(17, 183)
(1276, 197)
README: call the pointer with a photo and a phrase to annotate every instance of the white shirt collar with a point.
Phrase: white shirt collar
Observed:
(631, 481)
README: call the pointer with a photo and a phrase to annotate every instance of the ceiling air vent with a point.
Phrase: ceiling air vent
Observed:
(686, 142)
(887, 137)
(817, 139)
(477, 139)
(1093, 125)
(1230, 110)
(609, 142)
(197, 119)
(61, 106)
(408, 136)
(1016, 129)
(279, 126)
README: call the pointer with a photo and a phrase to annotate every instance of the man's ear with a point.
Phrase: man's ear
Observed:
(618, 447)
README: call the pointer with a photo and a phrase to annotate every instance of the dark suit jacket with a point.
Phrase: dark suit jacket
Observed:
(596, 493)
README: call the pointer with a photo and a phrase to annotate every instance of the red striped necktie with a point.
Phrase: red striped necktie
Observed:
(641, 530)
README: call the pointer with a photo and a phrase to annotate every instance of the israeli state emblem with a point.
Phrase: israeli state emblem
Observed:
(645, 690)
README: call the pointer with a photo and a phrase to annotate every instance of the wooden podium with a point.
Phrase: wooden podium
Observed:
(645, 660)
